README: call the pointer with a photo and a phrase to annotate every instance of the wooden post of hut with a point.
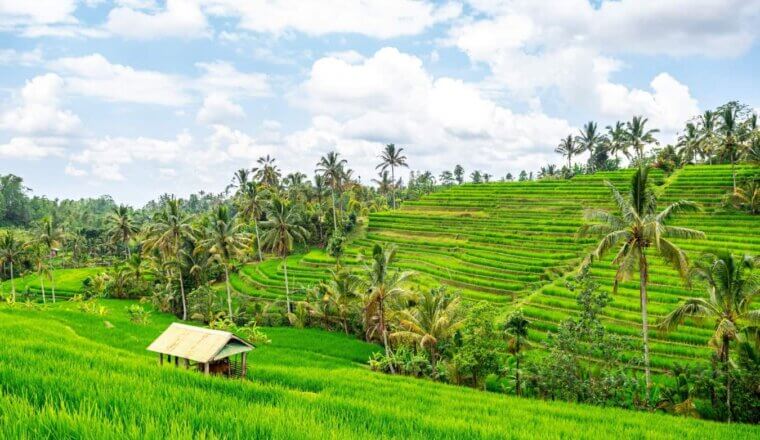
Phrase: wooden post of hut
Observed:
(211, 350)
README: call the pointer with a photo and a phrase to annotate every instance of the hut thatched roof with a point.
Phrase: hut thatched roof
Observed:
(198, 344)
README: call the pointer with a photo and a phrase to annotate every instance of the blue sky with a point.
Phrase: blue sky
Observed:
(135, 98)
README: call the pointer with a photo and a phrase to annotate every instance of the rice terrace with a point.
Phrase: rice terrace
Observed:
(399, 219)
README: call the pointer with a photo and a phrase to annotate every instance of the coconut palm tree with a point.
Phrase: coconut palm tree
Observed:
(391, 157)
(384, 285)
(121, 227)
(11, 251)
(434, 319)
(267, 173)
(568, 148)
(250, 202)
(165, 233)
(638, 137)
(39, 262)
(589, 138)
(731, 289)
(225, 242)
(331, 167)
(729, 132)
(282, 231)
(341, 291)
(637, 229)
(516, 331)
(707, 123)
(384, 183)
(689, 144)
(50, 237)
(616, 139)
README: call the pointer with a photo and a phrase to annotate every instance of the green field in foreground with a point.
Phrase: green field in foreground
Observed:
(67, 374)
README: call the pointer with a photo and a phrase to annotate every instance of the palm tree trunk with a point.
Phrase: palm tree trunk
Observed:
(229, 293)
(643, 279)
(126, 247)
(287, 287)
(726, 365)
(385, 335)
(52, 279)
(393, 188)
(258, 239)
(182, 293)
(517, 374)
(335, 216)
(42, 285)
(13, 285)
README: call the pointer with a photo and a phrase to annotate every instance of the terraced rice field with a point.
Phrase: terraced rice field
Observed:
(65, 374)
(68, 282)
(515, 244)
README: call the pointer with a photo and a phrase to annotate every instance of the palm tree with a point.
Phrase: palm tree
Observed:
(434, 319)
(731, 288)
(392, 158)
(250, 200)
(728, 129)
(516, 330)
(383, 286)
(568, 148)
(616, 139)
(11, 251)
(331, 167)
(122, 228)
(707, 132)
(636, 229)
(589, 138)
(746, 197)
(169, 227)
(689, 144)
(39, 262)
(267, 173)
(50, 237)
(225, 241)
(282, 230)
(341, 292)
(638, 137)
(384, 183)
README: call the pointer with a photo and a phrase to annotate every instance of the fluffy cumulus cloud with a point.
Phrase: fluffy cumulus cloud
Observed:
(106, 156)
(30, 148)
(390, 97)
(93, 75)
(37, 12)
(143, 20)
(38, 111)
(218, 108)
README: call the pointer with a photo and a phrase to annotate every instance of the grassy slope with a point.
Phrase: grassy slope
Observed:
(65, 374)
(515, 244)
(67, 281)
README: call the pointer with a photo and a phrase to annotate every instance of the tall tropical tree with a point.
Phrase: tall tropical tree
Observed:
(121, 227)
(384, 286)
(341, 291)
(392, 157)
(384, 183)
(635, 230)
(11, 252)
(731, 289)
(568, 148)
(225, 242)
(250, 202)
(434, 319)
(332, 168)
(616, 139)
(39, 262)
(637, 136)
(165, 234)
(729, 133)
(50, 237)
(516, 331)
(267, 173)
(589, 138)
(282, 230)
(689, 144)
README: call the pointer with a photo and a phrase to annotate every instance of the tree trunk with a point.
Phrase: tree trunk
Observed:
(643, 279)
(393, 188)
(517, 374)
(229, 294)
(52, 279)
(335, 216)
(733, 170)
(726, 366)
(13, 285)
(182, 293)
(258, 239)
(42, 285)
(287, 287)
(126, 247)
(385, 335)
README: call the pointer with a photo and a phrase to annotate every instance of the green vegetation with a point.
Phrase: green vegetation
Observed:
(305, 384)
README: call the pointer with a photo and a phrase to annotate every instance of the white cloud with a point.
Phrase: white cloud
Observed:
(17, 58)
(95, 76)
(38, 112)
(71, 170)
(106, 156)
(14, 12)
(139, 20)
(374, 18)
(26, 148)
(223, 77)
(349, 56)
(218, 108)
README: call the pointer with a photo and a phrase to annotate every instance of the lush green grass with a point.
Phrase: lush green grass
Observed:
(66, 374)
(67, 282)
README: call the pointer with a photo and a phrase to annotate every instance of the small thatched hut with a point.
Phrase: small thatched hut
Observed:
(211, 351)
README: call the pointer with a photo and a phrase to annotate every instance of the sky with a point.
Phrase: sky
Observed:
(136, 98)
